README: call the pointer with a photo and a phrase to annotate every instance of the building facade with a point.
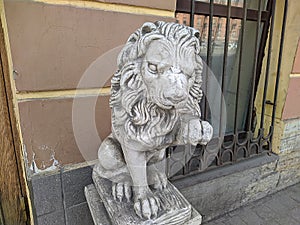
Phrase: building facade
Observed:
(62, 55)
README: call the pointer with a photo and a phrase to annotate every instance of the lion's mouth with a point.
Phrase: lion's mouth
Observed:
(164, 105)
(170, 105)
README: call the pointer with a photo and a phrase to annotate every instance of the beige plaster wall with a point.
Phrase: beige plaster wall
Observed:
(292, 35)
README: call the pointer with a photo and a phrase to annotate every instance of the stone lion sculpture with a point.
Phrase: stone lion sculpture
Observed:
(155, 103)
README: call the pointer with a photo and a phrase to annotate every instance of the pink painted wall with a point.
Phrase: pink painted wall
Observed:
(292, 104)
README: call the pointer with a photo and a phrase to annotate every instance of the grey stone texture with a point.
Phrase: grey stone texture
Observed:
(96, 206)
(79, 215)
(47, 194)
(214, 197)
(101, 217)
(55, 218)
(217, 196)
(281, 208)
(289, 163)
(73, 182)
(232, 187)
(59, 197)
(155, 103)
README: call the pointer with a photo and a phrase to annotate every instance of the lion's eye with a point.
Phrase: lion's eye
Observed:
(152, 68)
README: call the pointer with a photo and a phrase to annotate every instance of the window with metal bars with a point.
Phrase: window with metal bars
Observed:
(233, 36)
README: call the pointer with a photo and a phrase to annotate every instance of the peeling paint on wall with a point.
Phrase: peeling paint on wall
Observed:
(35, 169)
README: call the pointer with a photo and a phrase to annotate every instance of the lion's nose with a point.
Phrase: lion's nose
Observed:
(176, 96)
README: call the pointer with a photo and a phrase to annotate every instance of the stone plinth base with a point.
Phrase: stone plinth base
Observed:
(97, 209)
(176, 209)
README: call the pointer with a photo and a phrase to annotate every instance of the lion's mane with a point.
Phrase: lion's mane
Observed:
(129, 101)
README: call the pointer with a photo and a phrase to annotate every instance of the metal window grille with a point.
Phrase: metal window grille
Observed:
(226, 21)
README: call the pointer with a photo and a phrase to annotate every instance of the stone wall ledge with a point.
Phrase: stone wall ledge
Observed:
(226, 170)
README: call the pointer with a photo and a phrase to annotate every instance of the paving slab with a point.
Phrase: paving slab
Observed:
(281, 208)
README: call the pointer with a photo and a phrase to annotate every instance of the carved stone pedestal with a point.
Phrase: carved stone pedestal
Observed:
(176, 210)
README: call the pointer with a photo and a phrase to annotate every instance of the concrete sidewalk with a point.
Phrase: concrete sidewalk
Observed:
(281, 208)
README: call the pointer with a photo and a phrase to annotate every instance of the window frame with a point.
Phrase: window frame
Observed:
(264, 143)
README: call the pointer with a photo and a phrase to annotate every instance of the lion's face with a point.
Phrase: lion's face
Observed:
(167, 71)
(158, 80)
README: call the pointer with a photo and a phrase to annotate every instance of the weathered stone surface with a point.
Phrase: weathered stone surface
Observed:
(212, 193)
(290, 144)
(96, 206)
(55, 218)
(59, 197)
(101, 217)
(289, 158)
(215, 197)
(47, 194)
(291, 129)
(264, 184)
(289, 168)
(175, 209)
(73, 183)
(277, 209)
(155, 96)
(196, 218)
(79, 215)
(232, 191)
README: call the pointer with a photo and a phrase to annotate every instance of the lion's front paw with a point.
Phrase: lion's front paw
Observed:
(207, 132)
(146, 205)
(199, 132)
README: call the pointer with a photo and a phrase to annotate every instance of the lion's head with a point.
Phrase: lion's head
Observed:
(159, 69)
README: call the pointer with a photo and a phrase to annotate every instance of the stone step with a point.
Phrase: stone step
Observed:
(177, 210)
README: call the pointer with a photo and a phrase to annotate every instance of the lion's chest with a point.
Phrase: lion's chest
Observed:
(158, 132)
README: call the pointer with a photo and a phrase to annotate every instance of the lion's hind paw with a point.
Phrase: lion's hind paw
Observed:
(160, 181)
(156, 179)
(122, 191)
